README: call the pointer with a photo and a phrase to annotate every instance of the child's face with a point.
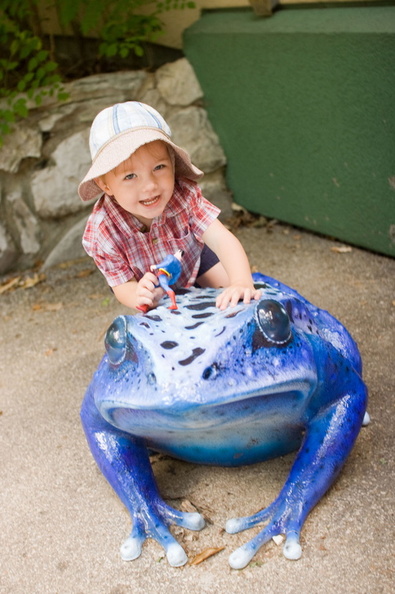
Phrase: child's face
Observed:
(144, 183)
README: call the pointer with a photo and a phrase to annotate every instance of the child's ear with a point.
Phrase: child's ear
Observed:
(102, 185)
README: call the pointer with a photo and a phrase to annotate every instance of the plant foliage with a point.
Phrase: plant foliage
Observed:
(29, 71)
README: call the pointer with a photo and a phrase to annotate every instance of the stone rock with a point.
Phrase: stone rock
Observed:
(150, 95)
(214, 188)
(178, 84)
(192, 131)
(112, 87)
(48, 122)
(8, 251)
(25, 222)
(54, 188)
(69, 246)
(22, 143)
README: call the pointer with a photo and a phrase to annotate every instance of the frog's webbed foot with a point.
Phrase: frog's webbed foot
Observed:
(154, 524)
(280, 523)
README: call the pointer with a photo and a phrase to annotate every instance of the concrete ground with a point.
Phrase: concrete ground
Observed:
(61, 525)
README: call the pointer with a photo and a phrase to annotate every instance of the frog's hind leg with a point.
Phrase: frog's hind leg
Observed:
(327, 443)
(125, 463)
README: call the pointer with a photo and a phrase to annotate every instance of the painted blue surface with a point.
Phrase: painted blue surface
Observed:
(230, 388)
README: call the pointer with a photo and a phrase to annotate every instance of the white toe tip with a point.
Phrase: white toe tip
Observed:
(176, 555)
(232, 526)
(196, 521)
(131, 549)
(240, 558)
(292, 550)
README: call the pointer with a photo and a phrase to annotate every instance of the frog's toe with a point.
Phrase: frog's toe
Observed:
(131, 548)
(176, 555)
(193, 521)
(235, 525)
(241, 557)
(189, 520)
(292, 549)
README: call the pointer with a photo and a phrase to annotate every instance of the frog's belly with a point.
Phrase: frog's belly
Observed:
(224, 449)
(231, 434)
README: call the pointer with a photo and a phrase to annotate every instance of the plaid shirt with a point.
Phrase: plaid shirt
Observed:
(123, 249)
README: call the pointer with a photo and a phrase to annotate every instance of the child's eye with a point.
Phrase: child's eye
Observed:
(130, 176)
(159, 167)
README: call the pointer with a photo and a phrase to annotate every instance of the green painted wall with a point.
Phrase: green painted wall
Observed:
(304, 105)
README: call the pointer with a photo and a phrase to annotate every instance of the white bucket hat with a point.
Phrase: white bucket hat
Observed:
(117, 132)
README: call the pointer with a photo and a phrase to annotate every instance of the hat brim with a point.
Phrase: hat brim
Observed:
(120, 147)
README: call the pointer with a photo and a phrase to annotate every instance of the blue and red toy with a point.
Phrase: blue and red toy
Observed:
(168, 272)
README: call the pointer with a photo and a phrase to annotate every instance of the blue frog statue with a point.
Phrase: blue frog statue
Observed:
(230, 387)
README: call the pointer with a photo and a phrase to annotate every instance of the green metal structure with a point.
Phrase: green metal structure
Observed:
(304, 105)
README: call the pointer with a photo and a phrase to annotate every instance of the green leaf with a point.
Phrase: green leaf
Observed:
(11, 66)
(8, 115)
(21, 86)
(20, 108)
(14, 46)
(51, 66)
(40, 73)
(41, 56)
(32, 64)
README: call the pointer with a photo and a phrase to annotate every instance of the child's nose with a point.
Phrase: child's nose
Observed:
(149, 182)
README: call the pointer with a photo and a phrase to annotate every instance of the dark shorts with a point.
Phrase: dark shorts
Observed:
(207, 260)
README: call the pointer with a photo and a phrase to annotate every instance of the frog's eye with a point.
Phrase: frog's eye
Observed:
(273, 322)
(115, 340)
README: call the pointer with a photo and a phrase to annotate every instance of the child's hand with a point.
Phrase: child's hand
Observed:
(235, 293)
(147, 292)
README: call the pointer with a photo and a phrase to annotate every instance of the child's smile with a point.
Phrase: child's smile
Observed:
(150, 202)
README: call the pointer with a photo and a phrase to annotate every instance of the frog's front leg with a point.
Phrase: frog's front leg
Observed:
(125, 463)
(327, 442)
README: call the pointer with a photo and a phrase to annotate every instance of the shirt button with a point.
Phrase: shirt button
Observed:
(155, 240)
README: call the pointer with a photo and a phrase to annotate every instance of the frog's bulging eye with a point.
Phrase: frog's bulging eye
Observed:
(273, 321)
(115, 341)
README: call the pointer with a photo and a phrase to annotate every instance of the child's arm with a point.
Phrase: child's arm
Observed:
(234, 259)
(144, 292)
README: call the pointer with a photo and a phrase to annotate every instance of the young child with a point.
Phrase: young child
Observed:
(149, 206)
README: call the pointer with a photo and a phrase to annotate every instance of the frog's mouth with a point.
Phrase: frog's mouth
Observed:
(274, 405)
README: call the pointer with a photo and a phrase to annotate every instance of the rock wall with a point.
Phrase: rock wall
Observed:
(42, 162)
